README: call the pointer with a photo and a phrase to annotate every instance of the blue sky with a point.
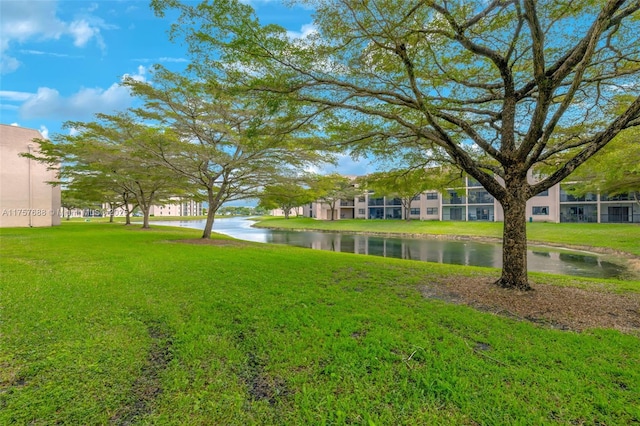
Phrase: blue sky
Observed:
(64, 60)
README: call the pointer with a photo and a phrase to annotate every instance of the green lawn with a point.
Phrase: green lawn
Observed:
(107, 324)
(622, 237)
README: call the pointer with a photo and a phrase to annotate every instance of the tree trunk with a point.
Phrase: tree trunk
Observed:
(286, 212)
(406, 206)
(211, 213)
(145, 217)
(514, 245)
(127, 220)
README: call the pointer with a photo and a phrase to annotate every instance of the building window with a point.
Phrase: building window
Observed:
(543, 193)
(472, 182)
(376, 201)
(416, 198)
(479, 196)
(361, 199)
(432, 210)
(540, 210)
(432, 195)
(415, 211)
(361, 212)
(453, 198)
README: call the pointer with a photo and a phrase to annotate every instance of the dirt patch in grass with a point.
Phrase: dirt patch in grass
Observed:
(565, 308)
(146, 387)
(263, 386)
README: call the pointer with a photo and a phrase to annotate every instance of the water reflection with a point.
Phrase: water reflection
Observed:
(429, 250)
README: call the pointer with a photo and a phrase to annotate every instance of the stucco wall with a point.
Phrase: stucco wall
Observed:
(26, 199)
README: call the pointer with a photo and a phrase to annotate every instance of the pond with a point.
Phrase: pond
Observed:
(540, 259)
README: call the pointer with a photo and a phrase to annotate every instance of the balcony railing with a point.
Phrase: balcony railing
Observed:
(453, 200)
(480, 198)
(564, 197)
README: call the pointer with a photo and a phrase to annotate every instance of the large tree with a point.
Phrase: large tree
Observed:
(499, 86)
(227, 146)
(111, 156)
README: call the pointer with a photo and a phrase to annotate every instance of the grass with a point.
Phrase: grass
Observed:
(621, 237)
(103, 323)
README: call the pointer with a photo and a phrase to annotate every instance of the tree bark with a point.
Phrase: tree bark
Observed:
(211, 213)
(514, 245)
(145, 217)
(112, 212)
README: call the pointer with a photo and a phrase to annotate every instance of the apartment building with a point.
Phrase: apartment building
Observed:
(473, 203)
(26, 197)
(175, 207)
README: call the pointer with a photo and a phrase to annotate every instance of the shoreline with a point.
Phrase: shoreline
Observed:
(631, 260)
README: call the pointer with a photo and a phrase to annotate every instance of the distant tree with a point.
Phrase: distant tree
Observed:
(124, 201)
(290, 192)
(500, 87)
(409, 184)
(75, 199)
(331, 189)
(91, 189)
(112, 154)
(227, 146)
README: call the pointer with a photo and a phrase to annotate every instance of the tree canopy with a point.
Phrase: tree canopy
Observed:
(287, 193)
(228, 146)
(498, 87)
(109, 158)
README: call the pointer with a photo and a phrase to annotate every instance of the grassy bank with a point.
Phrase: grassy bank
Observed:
(621, 237)
(103, 323)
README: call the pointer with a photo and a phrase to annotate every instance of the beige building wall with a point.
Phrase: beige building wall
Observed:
(26, 199)
(296, 211)
(543, 207)
(179, 208)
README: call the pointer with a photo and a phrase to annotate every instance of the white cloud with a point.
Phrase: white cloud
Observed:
(26, 20)
(14, 96)
(40, 52)
(305, 30)
(8, 64)
(48, 103)
(162, 59)
(14, 124)
(44, 131)
(346, 165)
(139, 76)
(82, 32)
